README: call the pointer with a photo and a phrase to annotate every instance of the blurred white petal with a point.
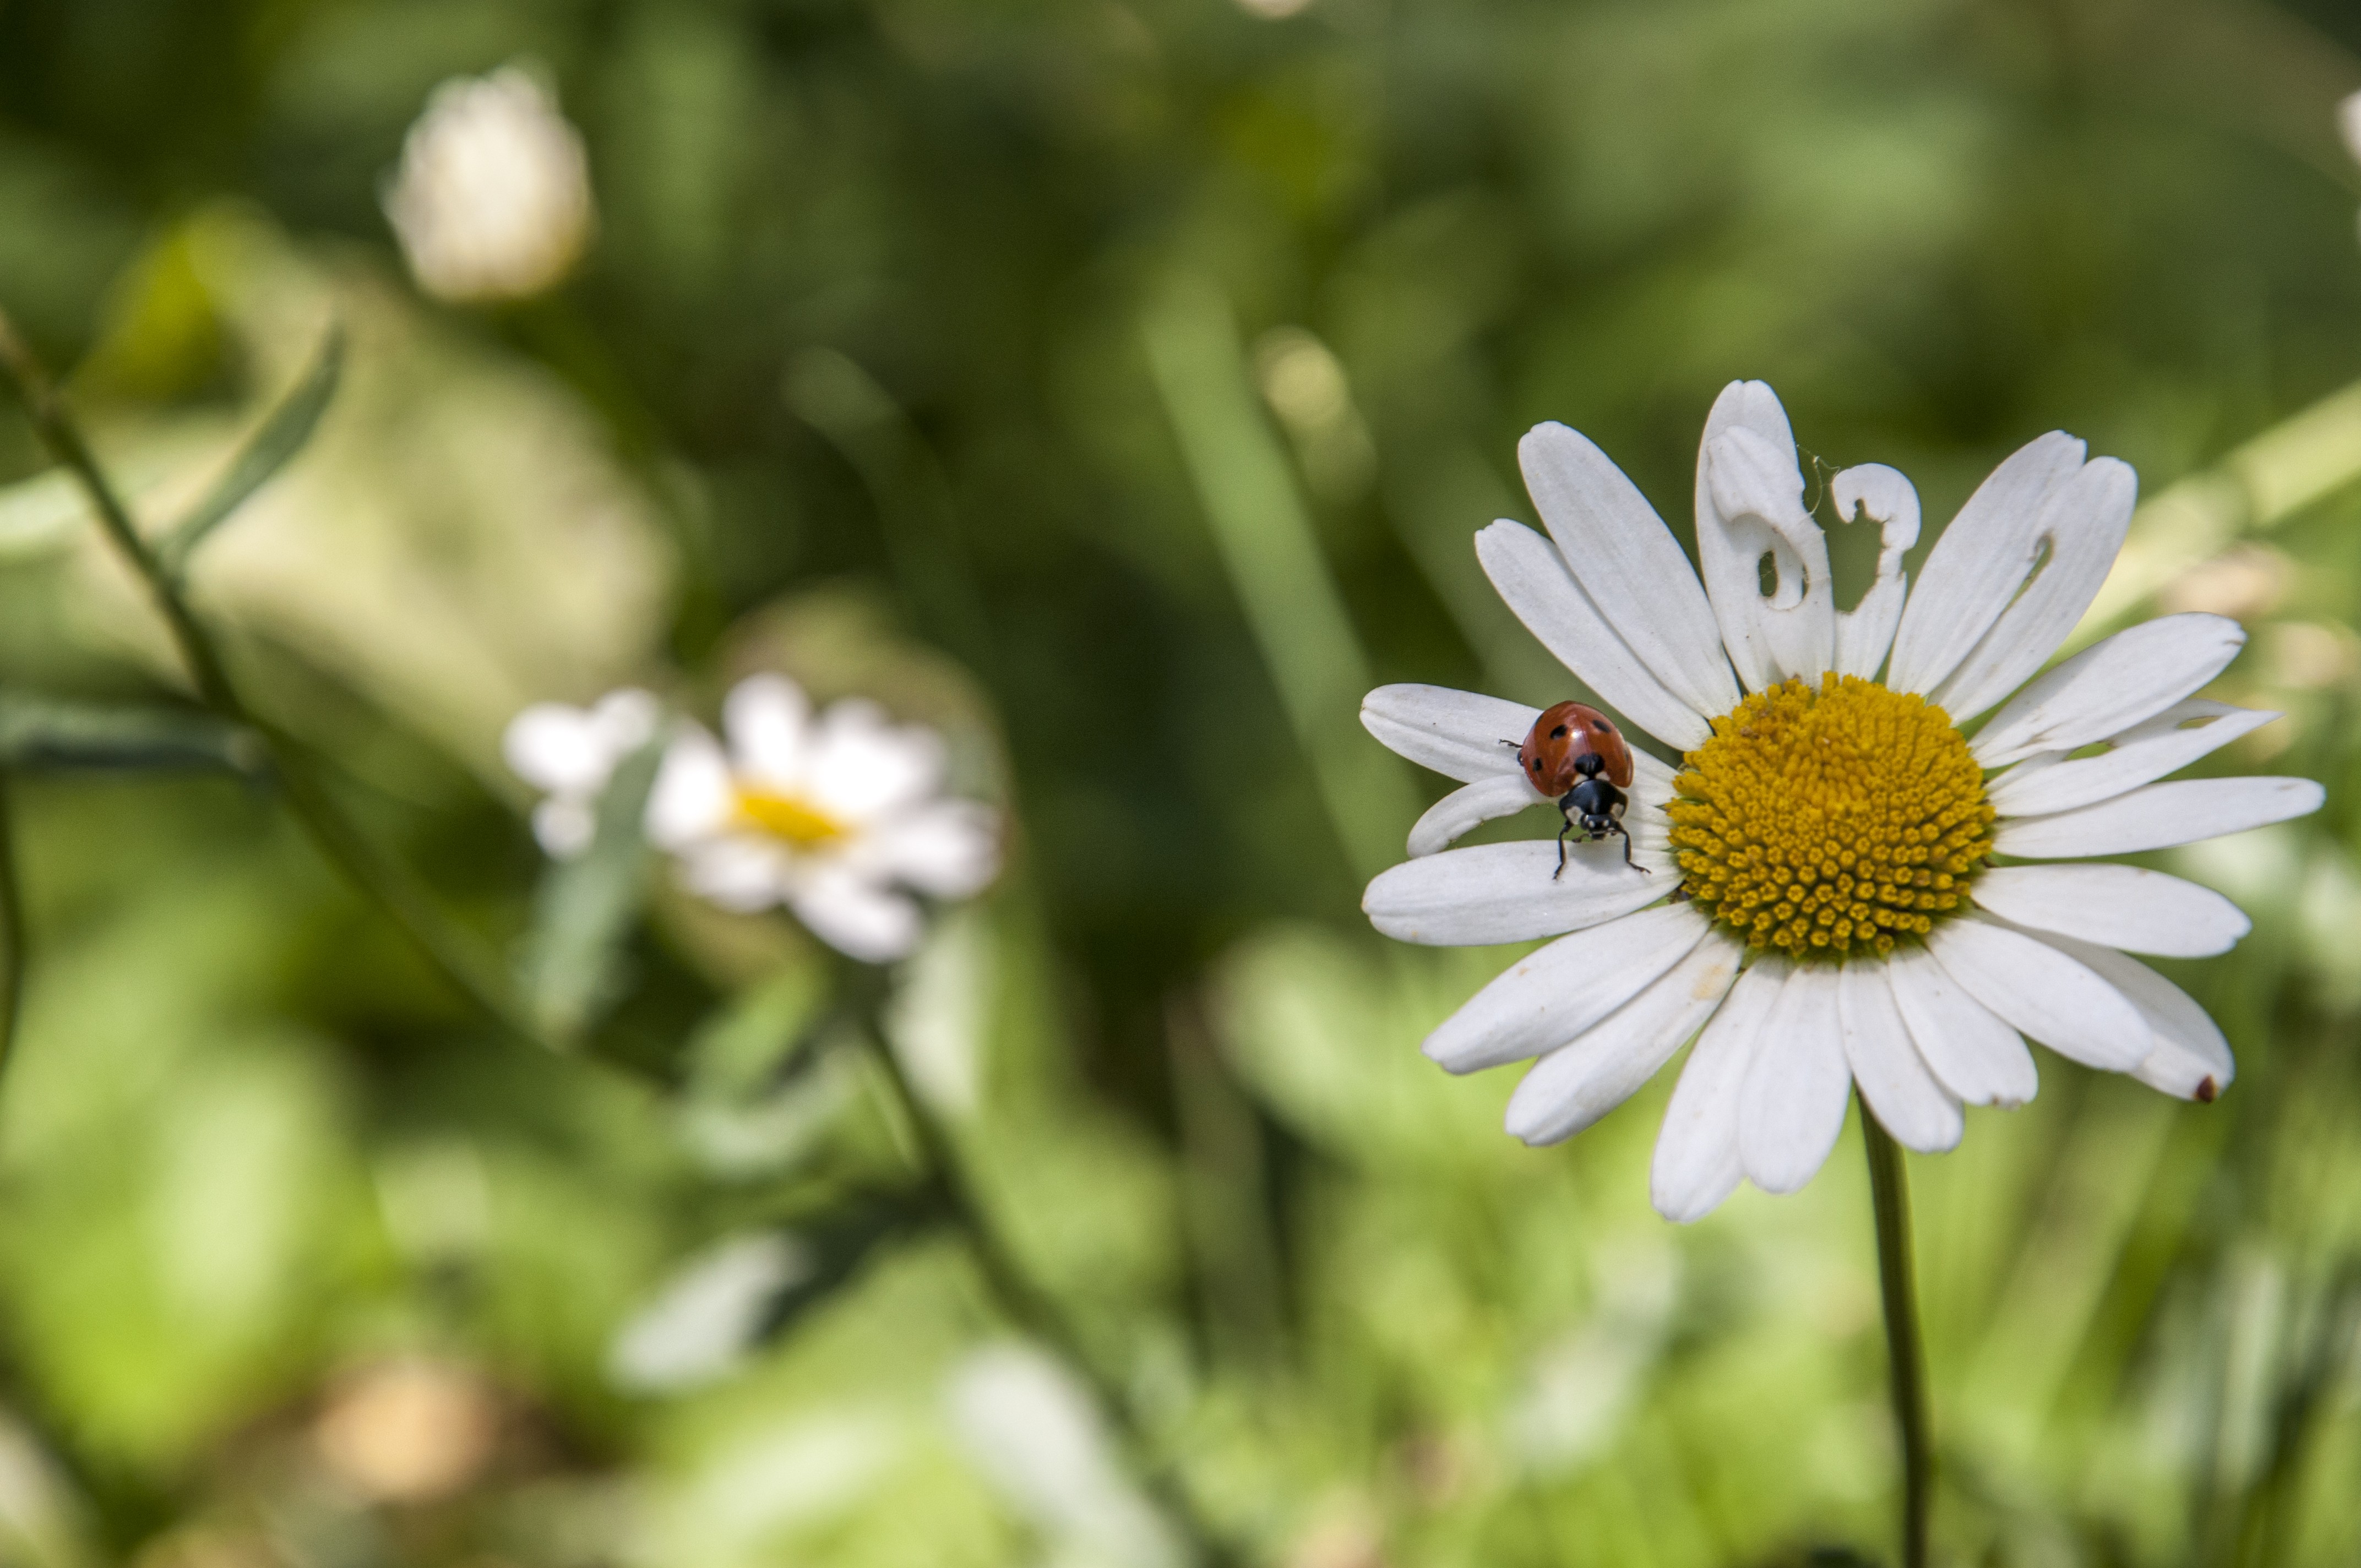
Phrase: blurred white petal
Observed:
(856, 916)
(693, 797)
(766, 718)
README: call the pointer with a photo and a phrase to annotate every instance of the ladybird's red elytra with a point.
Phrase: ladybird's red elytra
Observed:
(1560, 737)
(1574, 755)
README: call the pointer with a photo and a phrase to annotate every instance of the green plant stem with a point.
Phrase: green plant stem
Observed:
(1035, 1312)
(307, 797)
(1888, 1190)
(12, 930)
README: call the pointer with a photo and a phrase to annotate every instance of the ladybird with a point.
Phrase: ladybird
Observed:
(1574, 755)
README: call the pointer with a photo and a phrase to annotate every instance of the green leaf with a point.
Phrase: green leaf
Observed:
(49, 735)
(587, 906)
(270, 448)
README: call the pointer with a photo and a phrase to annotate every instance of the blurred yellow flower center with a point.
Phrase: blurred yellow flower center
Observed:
(1829, 822)
(788, 817)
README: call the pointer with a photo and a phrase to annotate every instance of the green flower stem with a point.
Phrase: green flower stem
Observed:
(12, 930)
(1888, 1190)
(1035, 1312)
(387, 885)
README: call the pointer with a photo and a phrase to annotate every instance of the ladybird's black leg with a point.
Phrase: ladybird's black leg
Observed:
(1618, 827)
(1561, 851)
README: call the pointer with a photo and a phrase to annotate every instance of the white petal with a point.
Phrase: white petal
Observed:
(862, 766)
(1577, 1083)
(1798, 1085)
(2110, 686)
(948, 848)
(1894, 1079)
(2119, 906)
(558, 748)
(739, 872)
(2147, 751)
(563, 825)
(2158, 816)
(1757, 508)
(768, 720)
(2040, 991)
(2085, 520)
(1628, 564)
(1697, 1161)
(1507, 892)
(2190, 1058)
(1977, 564)
(1733, 571)
(857, 917)
(1503, 794)
(1458, 734)
(693, 797)
(626, 718)
(1865, 631)
(1970, 1052)
(1552, 995)
(1532, 580)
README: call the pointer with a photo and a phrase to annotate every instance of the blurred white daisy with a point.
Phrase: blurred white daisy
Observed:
(492, 199)
(570, 753)
(1825, 910)
(837, 816)
(2348, 122)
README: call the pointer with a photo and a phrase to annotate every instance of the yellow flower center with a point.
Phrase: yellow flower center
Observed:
(1829, 822)
(788, 817)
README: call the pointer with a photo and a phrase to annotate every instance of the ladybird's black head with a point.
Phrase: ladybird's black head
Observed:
(1589, 764)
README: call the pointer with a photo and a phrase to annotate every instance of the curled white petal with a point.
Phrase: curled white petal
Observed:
(2179, 735)
(1970, 1051)
(1532, 580)
(1901, 1093)
(2118, 906)
(1697, 1162)
(2159, 816)
(1798, 1085)
(1756, 509)
(1464, 809)
(2110, 686)
(1507, 892)
(1865, 632)
(1551, 996)
(1461, 735)
(1979, 562)
(1629, 564)
(1577, 1083)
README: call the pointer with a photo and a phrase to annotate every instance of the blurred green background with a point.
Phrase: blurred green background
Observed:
(1115, 385)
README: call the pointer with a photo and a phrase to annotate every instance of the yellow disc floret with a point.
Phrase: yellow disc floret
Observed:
(1821, 823)
(798, 822)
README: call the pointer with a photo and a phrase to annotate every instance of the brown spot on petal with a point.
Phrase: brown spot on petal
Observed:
(2207, 1090)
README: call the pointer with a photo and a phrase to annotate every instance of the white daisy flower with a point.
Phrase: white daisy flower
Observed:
(571, 752)
(1825, 908)
(836, 817)
(492, 199)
